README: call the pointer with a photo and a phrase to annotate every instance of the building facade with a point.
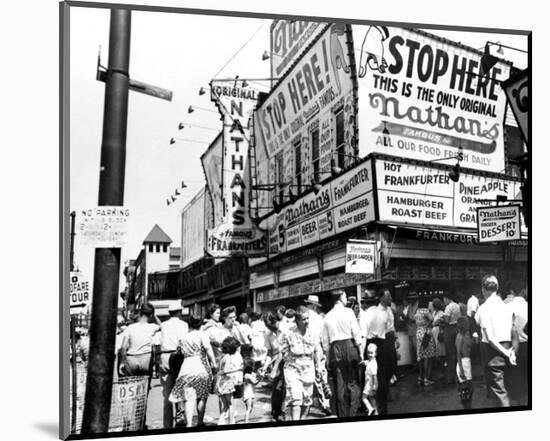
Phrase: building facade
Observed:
(410, 141)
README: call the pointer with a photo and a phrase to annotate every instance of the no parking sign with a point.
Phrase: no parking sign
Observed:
(79, 292)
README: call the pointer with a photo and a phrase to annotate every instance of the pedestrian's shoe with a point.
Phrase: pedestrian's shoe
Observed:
(419, 380)
(428, 382)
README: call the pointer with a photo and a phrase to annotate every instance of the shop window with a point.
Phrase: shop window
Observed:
(164, 248)
(151, 248)
(298, 167)
(340, 144)
(315, 154)
(158, 248)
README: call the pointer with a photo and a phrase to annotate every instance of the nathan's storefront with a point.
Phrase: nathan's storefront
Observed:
(422, 222)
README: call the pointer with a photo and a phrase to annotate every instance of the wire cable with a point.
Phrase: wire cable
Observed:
(240, 49)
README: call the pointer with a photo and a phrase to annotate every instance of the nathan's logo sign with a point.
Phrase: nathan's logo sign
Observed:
(498, 224)
(236, 235)
(308, 207)
(425, 98)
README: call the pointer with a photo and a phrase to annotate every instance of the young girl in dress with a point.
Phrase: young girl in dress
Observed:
(230, 376)
(464, 364)
(371, 380)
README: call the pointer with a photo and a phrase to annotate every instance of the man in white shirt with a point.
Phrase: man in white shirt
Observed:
(171, 331)
(378, 323)
(342, 336)
(472, 305)
(497, 336)
(519, 307)
(136, 347)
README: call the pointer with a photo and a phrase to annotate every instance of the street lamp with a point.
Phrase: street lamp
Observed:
(182, 125)
(267, 55)
(454, 174)
(488, 60)
(191, 109)
(174, 139)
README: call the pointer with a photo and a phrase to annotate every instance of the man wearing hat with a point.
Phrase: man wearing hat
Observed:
(172, 331)
(315, 319)
(316, 327)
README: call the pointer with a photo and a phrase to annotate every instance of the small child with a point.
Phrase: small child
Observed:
(251, 378)
(371, 380)
(463, 344)
(230, 376)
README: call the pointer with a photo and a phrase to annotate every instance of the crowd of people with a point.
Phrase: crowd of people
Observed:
(343, 362)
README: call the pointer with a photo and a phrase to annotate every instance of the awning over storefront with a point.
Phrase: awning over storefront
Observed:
(313, 287)
(408, 242)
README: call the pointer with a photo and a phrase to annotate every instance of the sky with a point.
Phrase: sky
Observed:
(181, 53)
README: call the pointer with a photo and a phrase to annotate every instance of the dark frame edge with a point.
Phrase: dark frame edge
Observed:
(64, 386)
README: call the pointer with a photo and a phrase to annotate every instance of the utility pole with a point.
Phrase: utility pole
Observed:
(97, 404)
(73, 214)
(72, 334)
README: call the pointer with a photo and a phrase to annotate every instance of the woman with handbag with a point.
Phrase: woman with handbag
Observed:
(425, 342)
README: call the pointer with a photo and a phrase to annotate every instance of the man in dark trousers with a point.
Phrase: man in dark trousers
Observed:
(498, 339)
(342, 337)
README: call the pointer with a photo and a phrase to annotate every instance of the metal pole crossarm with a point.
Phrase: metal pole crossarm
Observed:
(138, 86)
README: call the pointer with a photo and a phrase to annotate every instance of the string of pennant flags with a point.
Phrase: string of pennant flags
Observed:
(173, 198)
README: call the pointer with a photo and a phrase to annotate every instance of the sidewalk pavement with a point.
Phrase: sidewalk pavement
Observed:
(405, 397)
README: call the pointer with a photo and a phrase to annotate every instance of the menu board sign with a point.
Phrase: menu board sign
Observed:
(340, 205)
(416, 194)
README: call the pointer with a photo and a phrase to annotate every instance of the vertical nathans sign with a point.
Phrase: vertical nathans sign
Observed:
(422, 97)
(236, 235)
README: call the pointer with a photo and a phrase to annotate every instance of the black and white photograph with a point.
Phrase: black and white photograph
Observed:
(275, 219)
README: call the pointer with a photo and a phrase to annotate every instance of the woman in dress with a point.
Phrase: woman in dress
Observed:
(195, 377)
(425, 347)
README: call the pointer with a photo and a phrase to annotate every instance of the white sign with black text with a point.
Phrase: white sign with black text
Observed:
(236, 235)
(79, 292)
(425, 98)
(361, 257)
(498, 224)
(103, 226)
